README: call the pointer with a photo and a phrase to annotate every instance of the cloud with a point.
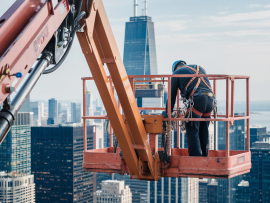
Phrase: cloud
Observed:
(171, 25)
(223, 13)
(267, 6)
(254, 5)
(259, 15)
(213, 36)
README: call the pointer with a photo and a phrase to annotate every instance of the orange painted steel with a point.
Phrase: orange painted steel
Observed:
(98, 44)
(219, 164)
(24, 34)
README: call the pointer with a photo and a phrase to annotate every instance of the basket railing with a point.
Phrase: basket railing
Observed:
(228, 117)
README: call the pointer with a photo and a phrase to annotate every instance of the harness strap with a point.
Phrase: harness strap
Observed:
(198, 113)
(197, 72)
(206, 83)
(195, 88)
(190, 81)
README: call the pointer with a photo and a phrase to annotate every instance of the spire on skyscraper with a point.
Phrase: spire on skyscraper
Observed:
(145, 8)
(87, 91)
(135, 8)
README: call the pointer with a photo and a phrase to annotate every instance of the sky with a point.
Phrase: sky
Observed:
(224, 37)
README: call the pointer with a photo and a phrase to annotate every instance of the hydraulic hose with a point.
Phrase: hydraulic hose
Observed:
(79, 8)
(76, 28)
(63, 57)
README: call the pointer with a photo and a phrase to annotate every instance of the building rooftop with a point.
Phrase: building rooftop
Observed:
(257, 126)
(213, 182)
(244, 183)
(261, 145)
(140, 18)
(204, 180)
(63, 125)
(3, 174)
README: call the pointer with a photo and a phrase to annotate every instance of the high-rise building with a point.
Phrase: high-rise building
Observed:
(53, 108)
(113, 191)
(15, 151)
(57, 157)
(237, 135)
(26, 105)
(89, 107)
(35, 108)
(42, 109)
(139, 188)
(17, 188)
(16, 181)
(256, 134)
(149, 95)
(212, 191)
(66, 117)
(98, 112)
(60, 108)
(140, 46)
(242, 192)
(173, 190)
(258, 178)
(203, 198)
(224, 190)
(75, 112)
(53, 112)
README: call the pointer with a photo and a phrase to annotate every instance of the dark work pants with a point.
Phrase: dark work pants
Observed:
(197, 133)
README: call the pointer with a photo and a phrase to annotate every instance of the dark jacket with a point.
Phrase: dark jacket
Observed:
(181, 83)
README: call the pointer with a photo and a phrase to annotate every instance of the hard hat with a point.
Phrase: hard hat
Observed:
(176, 63)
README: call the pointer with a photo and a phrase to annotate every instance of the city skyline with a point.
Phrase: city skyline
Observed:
(219, 36)
(222, 37)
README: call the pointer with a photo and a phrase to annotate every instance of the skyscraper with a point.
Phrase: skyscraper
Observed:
(35, 108)
(212, 191)
(57, 157)
(149, 95)
(26, 105)
(225, 190)
(53, 111)
(258, 178)
(203, 198)
(139, 188)
(16, 181)
(53, 108)
(237, 135)
(89, 106)
(140, 46)
(15, 151)
(75, 112)
(16, 188)
(256, 134)
(242, 192)
(113, 191)
(60, 108)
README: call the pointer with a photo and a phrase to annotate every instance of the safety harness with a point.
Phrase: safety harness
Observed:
(191, 102)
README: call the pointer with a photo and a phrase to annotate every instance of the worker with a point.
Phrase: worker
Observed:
(197, 91)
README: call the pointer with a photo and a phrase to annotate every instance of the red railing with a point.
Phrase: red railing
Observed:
(229, 117)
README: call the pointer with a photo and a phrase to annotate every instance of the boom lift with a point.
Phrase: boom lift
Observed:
(44, 30)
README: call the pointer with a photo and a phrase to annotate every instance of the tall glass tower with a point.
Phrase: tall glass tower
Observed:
(75, 112)
(140, 46)
(15, 151)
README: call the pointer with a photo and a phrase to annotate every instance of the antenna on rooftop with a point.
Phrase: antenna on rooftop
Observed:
(135, 8)
(145, 9)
